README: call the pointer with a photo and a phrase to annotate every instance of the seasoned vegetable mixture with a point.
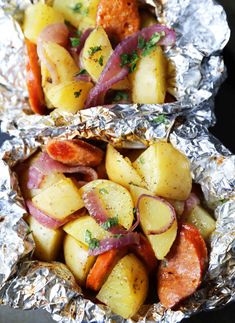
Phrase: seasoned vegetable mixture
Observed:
(82, 54)
(128, 224)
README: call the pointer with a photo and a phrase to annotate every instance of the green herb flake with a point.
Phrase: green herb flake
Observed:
(111, 222)
(101, 60)
(142, 161)
(130, 60)
(75, 41)
(164, 263)
(222, 201)
(151, 44)
(160, 119)
(77, 7)
(103, 191)
(94, 50)
(121, 95)
(93, 243)
(134, 210)
(81, 72)
(77, 93)
(141, 42)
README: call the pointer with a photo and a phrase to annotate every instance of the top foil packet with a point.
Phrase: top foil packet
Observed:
(196, 56)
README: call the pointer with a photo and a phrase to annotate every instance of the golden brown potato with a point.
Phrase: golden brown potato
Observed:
(77, 259)
(120, 169)
(81, 14)
(96, 52)
(69, 96)
(59, 200)
(78, 228)
(37, 17)
(165, 170)
(126, 288)
(48, 242)
(148, 81)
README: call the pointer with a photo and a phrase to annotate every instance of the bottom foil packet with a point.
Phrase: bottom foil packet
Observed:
(30, 284)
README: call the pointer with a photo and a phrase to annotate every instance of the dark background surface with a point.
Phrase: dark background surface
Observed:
(224, 130)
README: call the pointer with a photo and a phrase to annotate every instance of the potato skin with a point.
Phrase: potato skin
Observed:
(129, 280)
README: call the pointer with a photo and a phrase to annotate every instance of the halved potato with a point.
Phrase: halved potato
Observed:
(59, 200)
(81, 14)
(96, 52)
(161, 243)
(165, 170)
(202, 221)
(48, 242)
(117, 202)
(37, 17)
(78, 228)
(120, 169)
(69, 96)
(126, 288)
(148, 81)
(77, 259)
(136, 191)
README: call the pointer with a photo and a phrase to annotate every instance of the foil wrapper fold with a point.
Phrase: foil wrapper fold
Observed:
(31, 284)
(196, 66)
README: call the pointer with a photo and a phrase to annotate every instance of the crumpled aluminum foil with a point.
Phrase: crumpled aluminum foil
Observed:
(31, 284)
(197, 68)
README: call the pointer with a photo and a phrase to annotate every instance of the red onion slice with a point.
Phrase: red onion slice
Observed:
(49, 222)
(172, 210)
(107, 244)
(47, 165)
(113, 72)
(35, 178)
(95, 208)
(57, 33)
(190, 204)
(83, 77)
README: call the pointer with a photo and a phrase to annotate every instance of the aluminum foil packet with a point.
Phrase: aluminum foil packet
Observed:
(196, 65)
(30, 284)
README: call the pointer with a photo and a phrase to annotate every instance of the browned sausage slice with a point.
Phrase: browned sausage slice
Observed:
(180, 274)
(74, 152)
(119, 18)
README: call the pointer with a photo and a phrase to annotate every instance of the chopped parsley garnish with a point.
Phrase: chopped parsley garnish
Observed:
(77, 93)
(142, 160)
(75, 41)
(94, 50)
(151, 44)
(160, 119)
(111, 222)
(134, 210)
(141, 42)
(121, 95)
(81, 72)
(223, 201)
(101, 60)
(130, 60)
(77, 7)
(93, 243)
(103, 191)
(28, 231)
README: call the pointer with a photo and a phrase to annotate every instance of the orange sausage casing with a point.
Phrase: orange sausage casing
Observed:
(180, 274)
(119, 18)
(74, 152)
(33, 79)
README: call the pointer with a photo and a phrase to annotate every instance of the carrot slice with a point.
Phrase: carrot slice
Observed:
(33, 78)
(103, 267)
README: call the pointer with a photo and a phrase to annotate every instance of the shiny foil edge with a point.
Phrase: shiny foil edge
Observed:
(41, 285)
